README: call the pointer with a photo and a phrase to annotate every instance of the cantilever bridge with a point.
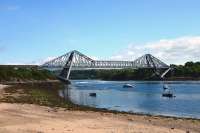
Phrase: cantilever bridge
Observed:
(75, 60)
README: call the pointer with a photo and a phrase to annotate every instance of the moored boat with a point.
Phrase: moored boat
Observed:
(128, 86)
(167, 95)
(167, 92)
(93, 94)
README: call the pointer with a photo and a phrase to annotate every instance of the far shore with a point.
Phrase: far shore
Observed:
(26, 82)
(98, 120)
(56, 80)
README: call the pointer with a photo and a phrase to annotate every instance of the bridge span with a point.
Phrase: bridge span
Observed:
(74, 60)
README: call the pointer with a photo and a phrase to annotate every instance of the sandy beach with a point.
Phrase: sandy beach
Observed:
(32, 118)
(26, 118)
(2, 89)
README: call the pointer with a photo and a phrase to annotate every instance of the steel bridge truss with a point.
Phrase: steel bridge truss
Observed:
(75, 60)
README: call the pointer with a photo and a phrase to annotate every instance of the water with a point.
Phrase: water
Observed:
(145, 97)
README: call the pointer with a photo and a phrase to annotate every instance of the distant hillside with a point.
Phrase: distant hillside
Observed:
(189, 71)
(23, 73)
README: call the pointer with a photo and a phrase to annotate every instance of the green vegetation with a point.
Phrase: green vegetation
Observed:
(189, 71)
(14, 73)
(120, 74)
(38, 93)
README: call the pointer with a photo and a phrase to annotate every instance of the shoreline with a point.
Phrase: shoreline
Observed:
(27, 82)
(168, 122)
(137, 80)
(57, 80)
(88, 108)
(166, 79)
(25, 118)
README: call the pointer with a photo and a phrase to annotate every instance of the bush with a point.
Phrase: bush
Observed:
(12, 73)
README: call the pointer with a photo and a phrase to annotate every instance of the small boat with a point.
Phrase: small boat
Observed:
(93, 94)
(128, 86)
(167, 92)
(167, 95)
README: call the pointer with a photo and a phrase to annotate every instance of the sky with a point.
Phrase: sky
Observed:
(34, 31)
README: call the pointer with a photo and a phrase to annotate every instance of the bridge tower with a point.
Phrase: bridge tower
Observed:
(64, 75)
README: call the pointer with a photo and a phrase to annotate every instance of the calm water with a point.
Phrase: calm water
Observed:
(145, 97)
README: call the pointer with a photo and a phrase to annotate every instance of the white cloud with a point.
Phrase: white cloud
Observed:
(171, 51)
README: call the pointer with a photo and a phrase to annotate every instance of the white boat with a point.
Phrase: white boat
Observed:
(167, 92)
(128, 86)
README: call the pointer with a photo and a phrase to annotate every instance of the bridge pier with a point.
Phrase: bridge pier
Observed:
(64, 75)
(66, 81)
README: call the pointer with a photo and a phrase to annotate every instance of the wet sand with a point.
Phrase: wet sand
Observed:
(2, 89)
(29, 118)
(26, 118)
(3, 86)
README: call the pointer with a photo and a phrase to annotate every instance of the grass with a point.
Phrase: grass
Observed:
(39, 93)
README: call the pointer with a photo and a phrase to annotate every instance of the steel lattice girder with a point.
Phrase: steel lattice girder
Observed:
(80, 62)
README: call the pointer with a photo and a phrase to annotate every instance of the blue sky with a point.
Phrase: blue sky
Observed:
(34, 30)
